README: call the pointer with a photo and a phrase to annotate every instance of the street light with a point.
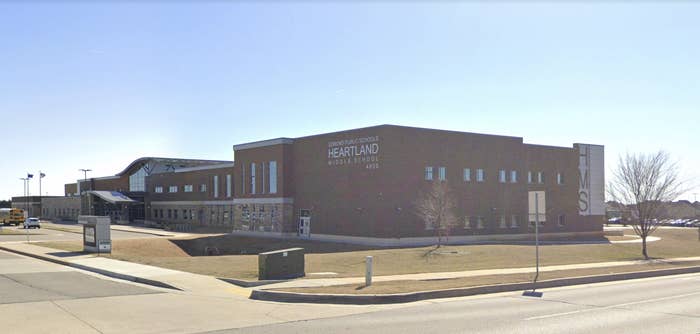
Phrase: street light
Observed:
(85, 176)
(24, 193)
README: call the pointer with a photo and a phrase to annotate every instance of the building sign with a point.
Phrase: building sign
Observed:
(359, 151)
(89, 236)
(591, 186)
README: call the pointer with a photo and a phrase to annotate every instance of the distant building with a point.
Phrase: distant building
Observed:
(361, 186)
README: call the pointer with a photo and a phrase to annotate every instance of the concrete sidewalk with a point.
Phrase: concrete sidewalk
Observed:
(320, 282)
(156, 276)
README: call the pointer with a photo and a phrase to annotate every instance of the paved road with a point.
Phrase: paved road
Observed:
(659, 305)
(42, 297)
(46, 234)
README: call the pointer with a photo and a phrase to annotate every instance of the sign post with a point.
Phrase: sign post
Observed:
(533, 293)
(368, 271)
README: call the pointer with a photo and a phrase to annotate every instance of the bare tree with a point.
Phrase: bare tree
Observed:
(643, 183)
(436, 207)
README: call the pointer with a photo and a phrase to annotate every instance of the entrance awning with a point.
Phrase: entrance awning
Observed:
(113, 197)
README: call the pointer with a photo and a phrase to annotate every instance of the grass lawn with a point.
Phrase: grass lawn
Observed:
(348, 260)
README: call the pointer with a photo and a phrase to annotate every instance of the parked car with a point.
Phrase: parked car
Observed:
(32, 222)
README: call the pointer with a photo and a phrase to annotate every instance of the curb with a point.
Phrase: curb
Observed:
(249, 284)
(294, 297)
(108, 273)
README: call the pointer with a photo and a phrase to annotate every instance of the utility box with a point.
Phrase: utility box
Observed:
(281, 264)
(96, 234)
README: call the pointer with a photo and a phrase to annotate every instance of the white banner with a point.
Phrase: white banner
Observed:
(591, 189)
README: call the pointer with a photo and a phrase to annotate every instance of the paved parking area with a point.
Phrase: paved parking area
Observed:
(28, 280)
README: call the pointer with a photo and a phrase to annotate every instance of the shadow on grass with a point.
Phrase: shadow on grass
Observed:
(240, 245)
(67, 254)
(244, 245)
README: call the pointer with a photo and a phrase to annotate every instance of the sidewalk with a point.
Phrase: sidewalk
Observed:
(321, 282)
(156, 276)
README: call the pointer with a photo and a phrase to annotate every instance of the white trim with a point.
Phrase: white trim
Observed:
(263, 143)
(192, 203)
(193, 169)
(99, 178)
(268, 200)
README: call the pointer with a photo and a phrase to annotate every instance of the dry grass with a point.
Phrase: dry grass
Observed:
(348, 260)
(427, 285)
(15, 231)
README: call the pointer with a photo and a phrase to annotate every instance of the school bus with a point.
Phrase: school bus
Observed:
(12, 216)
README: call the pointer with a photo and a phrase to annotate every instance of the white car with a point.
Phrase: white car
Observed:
(32, 222)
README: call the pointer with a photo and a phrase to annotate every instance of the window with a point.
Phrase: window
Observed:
(252, 178)
(441, 173)
(170, 213)
(161, 213)
(172, 189)
(228, 185)
(502, 176)
(467, 224)
(467, 174)
(428, 173)
(273, 177)
(188, 188)
(560, 179)
(480, 222)
(540, 177)
(158, 189)
(562, 220)
(502, 222)
(513, 176)
(216, 186)
(529, 177)
(155, 213)
(137, 181)
(203, 188)
(514, 221)
(243, 180)
(175, 214)
(184, 214)
(479, 175)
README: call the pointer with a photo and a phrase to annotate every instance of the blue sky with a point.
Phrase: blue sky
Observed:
(86, 85)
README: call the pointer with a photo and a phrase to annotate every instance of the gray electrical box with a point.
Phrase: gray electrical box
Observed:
(96, 234)
(281, 264)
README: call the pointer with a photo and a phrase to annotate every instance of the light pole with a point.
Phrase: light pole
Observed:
(24, 193)
(85, 176)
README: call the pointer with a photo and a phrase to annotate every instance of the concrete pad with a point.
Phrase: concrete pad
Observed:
(186, 313)
(40, 318)
(76, 285)
(12, 292)
(23, 265)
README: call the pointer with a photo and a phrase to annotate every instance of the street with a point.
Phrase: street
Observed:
(659, 305)
(38, 296)
(69, 232)
(42, 297)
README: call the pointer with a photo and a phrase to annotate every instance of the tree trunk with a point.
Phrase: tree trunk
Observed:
(644, 247)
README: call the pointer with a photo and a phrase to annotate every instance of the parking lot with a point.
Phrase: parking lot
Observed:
(63, 232)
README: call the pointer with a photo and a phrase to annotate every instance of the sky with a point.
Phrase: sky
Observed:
(99, 84)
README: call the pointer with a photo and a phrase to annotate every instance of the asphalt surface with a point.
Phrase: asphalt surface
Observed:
(659, 305)
(25, 280)
(46, 234)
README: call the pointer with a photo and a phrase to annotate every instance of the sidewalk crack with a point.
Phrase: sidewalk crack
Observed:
(76, 317)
